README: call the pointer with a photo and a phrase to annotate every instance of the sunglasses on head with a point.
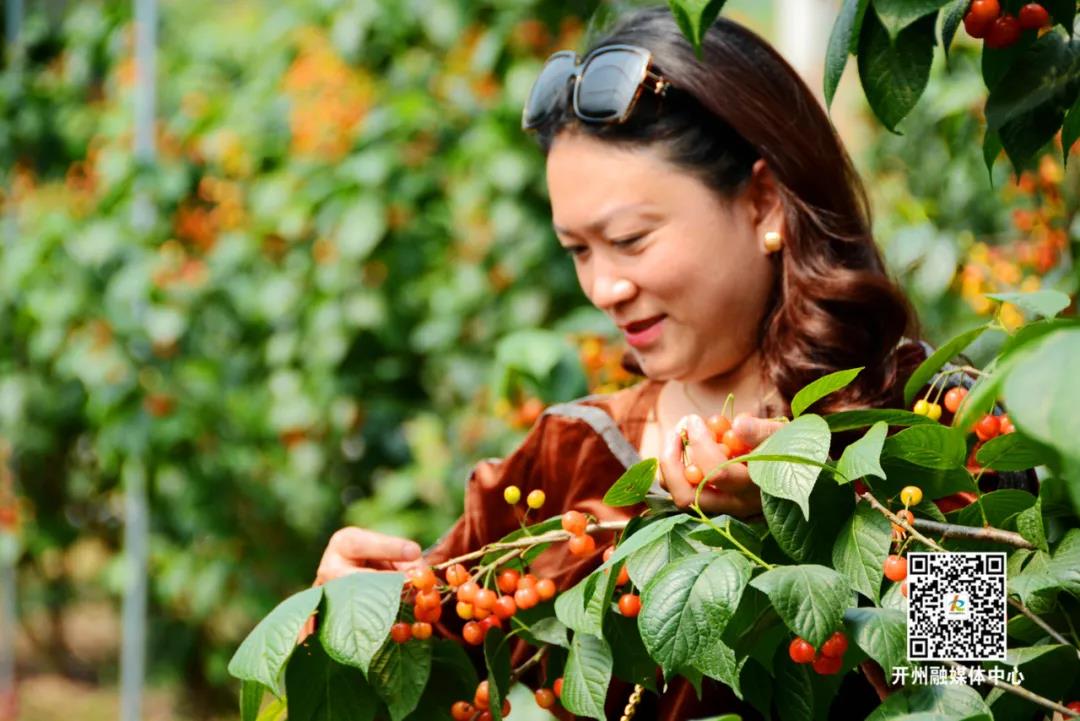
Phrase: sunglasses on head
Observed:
(607, 84)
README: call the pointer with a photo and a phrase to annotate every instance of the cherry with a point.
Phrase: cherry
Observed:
(485, 716)
(736, 446)
(827, 665)
(800, 650)
(482, 697)
(473, 633)
(421, 630)
(608, 553)
(954, 397)
(693, 474)
(574, 522)
(582, 545)
(545, 697)
(934, 412)
(422, 578)
(922, 407)
(1033, 16)
(467, 591)
(835, 645)
(1003, 32)
(906, 515)
(1005, 425)
(428, 599)
(527, 581)
(624, 576)
(988, 427)
(545, 588)
(457, 575)
(526, 598)
(479, 614)
(895, 568)
(557, 687)
(975, 28)
(508, 580)
(505, 607)
(401, 632)
(485, 599)
(910, 496)
(505, 707)
(429, 615)
(719, 425)
(462, 711)
(512, 494)
(903, 589)
(535, 499)
(630, 604)
(464, 610)
(1073, 706)
(490, 622)
(984, 11)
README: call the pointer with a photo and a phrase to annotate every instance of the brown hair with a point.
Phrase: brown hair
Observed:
(834, 307)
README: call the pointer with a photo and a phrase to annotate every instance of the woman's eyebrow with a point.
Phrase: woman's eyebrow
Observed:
(596, 226)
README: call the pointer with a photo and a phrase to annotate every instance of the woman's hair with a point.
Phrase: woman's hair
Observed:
(834, 307)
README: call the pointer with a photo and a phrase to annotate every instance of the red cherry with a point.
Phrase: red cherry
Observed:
(984, 11)
(482, 697)
(467, 592)
(719, 425)
(1005, 425)
(1033, 16)
(545, 697)
(401, 632)
(473, 633)
(835, 645)
(505, 607)
(421, 630)
(462, 711)
(485, 599)
(693, 474)
(1073, 706)
(526, 598)
(896, 568)
(429, 615)
(975, 28)
(557, 687)
(827, 665)
(736, 446)
(428, 599)
(574, 522)
(624, 576)
(907, 516)
(988, 427)
(485, 716)
(953, 398)
(545, 587)
(800, 650)
(457, 575)
(1003, 32)
(903, 589)
(422, 578)
(508, 580)
(489, 623)
(630, 604)
(582, 545)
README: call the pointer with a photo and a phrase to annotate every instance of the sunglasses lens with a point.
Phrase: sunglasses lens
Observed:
(608, 84)
(548, 89)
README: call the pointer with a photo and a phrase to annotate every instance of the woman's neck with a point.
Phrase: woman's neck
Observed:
(706, 397)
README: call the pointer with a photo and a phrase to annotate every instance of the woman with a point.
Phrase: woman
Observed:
(711, 212)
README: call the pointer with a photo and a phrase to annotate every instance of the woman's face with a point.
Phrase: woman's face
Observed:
(680, 270)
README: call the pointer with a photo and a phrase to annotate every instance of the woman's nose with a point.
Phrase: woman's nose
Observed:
(609, 291)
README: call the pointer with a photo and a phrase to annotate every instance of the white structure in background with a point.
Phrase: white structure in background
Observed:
(802, 36)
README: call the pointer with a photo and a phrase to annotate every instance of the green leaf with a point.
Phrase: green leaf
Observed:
(1045, 303)
(643, 537)
(536, 529)
(718, 661)
(898, 14)
(815, 391)
(497, 662)
(1001, 508)
(954, 15)
(276, 710)
(808, 541)
(894, 73)
(794, 689)
(952, 702)
(881, 633)
(1029, 524)
(936, 360)
(688, 603)
(399, 672)
(811, 599)
(991, 150)
(1070, 130)
(935, 482)
(933, 446)
(630, 660)
(1045, 73)
(551, 630)
(1010, 452)
(1065, 564)
(587, 676)
(808, 437)
(1049, 671)
(744, 534)
(360, 608)
(1042, 394)
(694, 18)
(317, 689)
(850, 420)
(861, 550)
(251, 696)
(842, 41)
(632, 486)
(263, 654)
(451, 672)
(863, 457)
(645, 562)
(1025, 135)
(570, 606)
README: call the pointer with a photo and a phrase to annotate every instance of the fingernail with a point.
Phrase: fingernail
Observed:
(743, 424)
(410, 551)
(697, 426)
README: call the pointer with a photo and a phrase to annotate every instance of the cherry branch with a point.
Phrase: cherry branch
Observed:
(1020, 691)
(518, 672)
(953, 530)
(869, 498)
(527, 541)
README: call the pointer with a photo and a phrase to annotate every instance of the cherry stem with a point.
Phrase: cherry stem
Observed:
(995, 535)
(532, 661)
(869, 498)
(523, 544)
(1019, 691)
(726, 533)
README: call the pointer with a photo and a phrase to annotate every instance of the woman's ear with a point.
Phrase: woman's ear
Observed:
(765, 204)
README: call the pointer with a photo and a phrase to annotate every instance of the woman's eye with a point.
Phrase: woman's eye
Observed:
(575, 249)
(627, 242)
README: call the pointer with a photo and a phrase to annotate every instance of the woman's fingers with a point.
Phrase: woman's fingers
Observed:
(359, 545)
(753, 431)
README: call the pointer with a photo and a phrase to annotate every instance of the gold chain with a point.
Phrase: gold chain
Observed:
(632, 704)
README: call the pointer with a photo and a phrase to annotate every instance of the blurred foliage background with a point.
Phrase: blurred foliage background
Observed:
(349, 295)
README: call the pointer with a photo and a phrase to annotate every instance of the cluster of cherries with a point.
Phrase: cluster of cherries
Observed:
(895, 564)
(985, 20)
(720, 426)
(478, 709)
(827, 660)
(987, 427)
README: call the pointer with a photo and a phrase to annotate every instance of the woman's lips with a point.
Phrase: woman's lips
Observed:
(645, 332)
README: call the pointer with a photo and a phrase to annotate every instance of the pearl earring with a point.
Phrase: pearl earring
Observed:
(773, 241)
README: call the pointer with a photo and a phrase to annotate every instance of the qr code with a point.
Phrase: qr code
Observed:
(956, 606)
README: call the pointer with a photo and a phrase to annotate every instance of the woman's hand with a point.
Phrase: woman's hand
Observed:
(353, 549)
(730, 490)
